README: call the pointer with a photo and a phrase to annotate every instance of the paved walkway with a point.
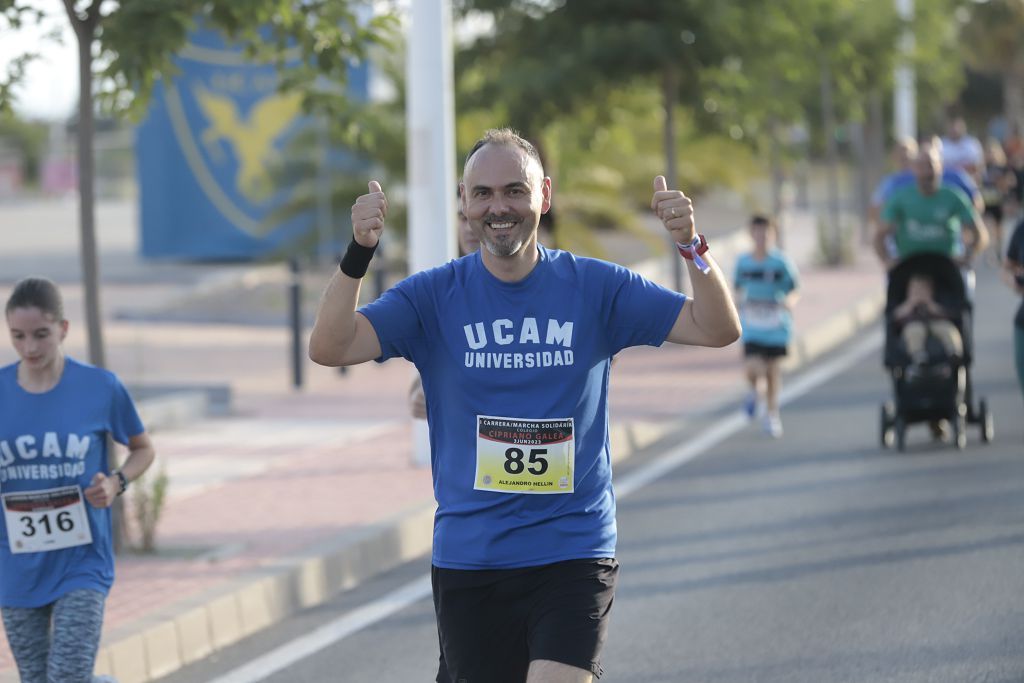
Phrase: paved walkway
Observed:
(296, 495)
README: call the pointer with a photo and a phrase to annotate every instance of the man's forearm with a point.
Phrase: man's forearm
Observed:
(713, 308)
(880, 247)
(335, 325)
(980, 235)
(138, 461)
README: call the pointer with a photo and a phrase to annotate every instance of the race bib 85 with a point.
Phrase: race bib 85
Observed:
(524, 456)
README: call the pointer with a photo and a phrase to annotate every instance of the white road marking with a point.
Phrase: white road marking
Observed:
(419, 589)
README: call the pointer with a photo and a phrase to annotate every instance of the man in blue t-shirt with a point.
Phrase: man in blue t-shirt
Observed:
(514, 345)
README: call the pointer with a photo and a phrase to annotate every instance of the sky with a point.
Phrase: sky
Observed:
(50, 89)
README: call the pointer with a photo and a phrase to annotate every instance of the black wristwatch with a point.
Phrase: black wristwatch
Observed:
(122, 482)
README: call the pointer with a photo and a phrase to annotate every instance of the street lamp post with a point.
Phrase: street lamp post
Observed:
(430, 140)
(904, 95)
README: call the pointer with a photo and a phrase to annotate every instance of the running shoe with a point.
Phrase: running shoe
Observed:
(773, 426)
(750, 405)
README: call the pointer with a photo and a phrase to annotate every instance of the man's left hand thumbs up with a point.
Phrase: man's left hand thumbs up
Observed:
(675, 211)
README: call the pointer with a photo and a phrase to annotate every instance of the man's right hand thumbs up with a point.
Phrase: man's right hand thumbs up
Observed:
(368, 214)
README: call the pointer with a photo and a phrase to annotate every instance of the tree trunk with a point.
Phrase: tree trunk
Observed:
(1013, 93)
(85, 31)
(669, 89)
(875, 146)
(778, 179)
(832, 233)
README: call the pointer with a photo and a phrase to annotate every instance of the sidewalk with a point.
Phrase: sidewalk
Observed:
(297, 495)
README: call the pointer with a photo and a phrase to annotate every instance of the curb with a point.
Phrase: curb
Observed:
(835, 330)
(175, 409)
(167, 407)
(189, 631)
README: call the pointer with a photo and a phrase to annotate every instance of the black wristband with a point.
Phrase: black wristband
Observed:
(356, 259)
(122, 482)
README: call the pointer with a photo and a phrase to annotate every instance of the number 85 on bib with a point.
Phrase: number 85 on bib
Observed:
(524, 456)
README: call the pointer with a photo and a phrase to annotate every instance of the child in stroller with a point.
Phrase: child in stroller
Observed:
(927, 332)
(928, 352)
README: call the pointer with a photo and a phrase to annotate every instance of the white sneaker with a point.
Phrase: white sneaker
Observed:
(773, 426)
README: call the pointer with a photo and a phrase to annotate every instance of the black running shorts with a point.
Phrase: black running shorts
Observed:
(763, 350)
(493, 623)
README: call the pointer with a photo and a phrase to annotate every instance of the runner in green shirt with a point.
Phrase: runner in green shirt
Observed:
(929, 217)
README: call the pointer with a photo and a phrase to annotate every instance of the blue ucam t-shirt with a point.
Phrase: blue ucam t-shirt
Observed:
(58, 439)
(516, 381)
(951, 177)
(764, 285)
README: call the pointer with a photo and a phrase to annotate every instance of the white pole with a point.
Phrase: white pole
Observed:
(905, 93)
(430, 131)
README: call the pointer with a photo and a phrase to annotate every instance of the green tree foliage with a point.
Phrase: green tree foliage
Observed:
(544, 58)
(993, 40)
(125, 46)
(28, 139)
(779, 47)
(372, 132)
(557, 72)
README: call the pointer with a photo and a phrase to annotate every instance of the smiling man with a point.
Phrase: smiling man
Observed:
(514, 345)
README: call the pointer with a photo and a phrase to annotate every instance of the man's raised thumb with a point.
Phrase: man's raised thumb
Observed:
(375, 186)
(659, 183)
(97, 478)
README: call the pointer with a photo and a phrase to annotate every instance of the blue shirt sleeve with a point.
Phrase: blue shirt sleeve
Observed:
(961, 180)
(792, 274)
(640, 312)
(882, 192)
(124, 418)
(396, 319)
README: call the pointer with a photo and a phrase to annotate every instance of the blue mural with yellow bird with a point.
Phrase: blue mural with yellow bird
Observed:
(206, 152)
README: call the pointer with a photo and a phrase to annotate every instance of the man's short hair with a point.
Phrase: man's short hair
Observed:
(509, 138)
(761, 220)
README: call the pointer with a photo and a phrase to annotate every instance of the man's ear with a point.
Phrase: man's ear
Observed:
(545, 190)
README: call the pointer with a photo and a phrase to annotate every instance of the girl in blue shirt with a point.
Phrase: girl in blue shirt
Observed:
(56, 552)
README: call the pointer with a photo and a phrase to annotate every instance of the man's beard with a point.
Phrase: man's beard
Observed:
(508, 244)
(505, 247)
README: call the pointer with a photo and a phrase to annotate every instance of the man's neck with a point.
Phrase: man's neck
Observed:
(515, 267)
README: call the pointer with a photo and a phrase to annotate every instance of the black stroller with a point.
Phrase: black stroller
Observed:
(938, 386)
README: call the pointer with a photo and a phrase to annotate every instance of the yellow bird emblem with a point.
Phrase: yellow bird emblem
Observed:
(252, 139)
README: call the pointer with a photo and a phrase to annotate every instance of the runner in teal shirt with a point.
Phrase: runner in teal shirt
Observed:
(930, 218)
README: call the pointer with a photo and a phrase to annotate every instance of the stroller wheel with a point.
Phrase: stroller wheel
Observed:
(988, 428)
(901, 433)
(886, 430)
(960, 432)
